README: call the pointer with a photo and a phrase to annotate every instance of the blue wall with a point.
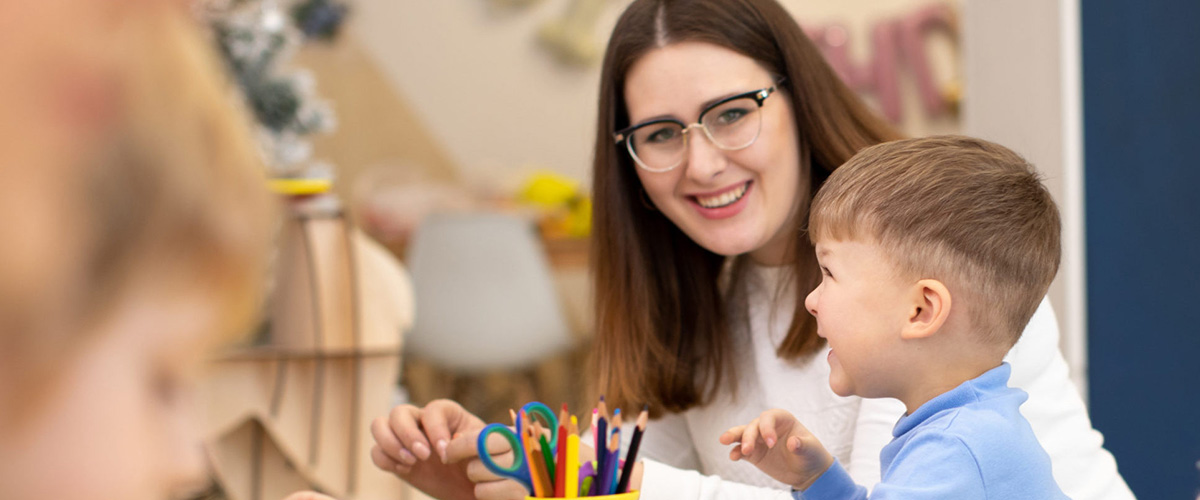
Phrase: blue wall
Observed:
(1141, 102)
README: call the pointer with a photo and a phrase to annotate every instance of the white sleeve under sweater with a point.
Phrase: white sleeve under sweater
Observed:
(683, 459)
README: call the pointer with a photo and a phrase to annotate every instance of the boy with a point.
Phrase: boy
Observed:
(934, 254)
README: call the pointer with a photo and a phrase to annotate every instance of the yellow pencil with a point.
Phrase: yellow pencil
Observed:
(571, 471)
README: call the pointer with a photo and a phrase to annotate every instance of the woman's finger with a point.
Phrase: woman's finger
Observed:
(440, 419)
(389, 444)
(463, 446)
(404, 422)
(501, 490)
(308, 495)
(478, 473)
(382, 460)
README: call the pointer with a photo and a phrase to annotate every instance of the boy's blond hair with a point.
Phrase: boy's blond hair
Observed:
(965, 211)
(166, 198)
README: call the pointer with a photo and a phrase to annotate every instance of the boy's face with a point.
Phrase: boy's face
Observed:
(860, 307)
(118, 423)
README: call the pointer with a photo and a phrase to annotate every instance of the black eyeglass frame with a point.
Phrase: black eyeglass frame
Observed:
(759, 96)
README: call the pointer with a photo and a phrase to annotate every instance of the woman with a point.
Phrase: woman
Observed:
(718, 122)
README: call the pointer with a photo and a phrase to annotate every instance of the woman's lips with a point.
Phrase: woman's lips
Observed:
(723, 204)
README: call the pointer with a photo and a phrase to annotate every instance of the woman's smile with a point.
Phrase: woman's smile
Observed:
(721, 204)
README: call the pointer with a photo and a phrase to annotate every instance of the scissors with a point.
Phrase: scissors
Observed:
(519, 470)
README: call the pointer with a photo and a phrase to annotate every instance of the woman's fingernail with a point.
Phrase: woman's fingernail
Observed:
(770, 442)
(421, 450)
(406, 457)
(441, 446)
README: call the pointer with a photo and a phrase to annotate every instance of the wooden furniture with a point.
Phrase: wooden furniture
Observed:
(293, 412)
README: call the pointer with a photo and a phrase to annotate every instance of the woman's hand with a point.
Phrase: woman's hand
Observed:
(415, 444)
(308, 495)
(799, 462)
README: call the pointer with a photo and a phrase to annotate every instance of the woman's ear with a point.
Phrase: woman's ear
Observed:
(929, 309)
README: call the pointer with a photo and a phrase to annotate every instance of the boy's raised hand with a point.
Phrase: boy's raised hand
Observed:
(777, 444)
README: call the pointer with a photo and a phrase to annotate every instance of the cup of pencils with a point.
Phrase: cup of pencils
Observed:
(546, 458)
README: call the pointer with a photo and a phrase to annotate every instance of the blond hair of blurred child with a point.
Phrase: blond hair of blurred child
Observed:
(135, 231)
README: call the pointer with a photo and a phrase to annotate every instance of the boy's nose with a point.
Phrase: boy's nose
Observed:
(810, 302)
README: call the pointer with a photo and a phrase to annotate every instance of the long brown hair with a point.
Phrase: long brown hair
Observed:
(662, 330)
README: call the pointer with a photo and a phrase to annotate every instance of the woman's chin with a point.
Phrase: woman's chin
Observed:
(726, 244)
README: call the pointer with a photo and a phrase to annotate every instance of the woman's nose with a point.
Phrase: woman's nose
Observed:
(705, 160)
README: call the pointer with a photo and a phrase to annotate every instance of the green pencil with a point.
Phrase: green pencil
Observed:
(549, 456)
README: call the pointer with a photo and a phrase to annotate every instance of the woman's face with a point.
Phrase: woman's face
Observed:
(729, 202)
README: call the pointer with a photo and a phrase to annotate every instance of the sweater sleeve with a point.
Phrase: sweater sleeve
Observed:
(671, 464)
(663, 482)
(1082, 467)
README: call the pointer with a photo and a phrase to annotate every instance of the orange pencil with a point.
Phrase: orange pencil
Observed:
(530, 456)
(538, 464)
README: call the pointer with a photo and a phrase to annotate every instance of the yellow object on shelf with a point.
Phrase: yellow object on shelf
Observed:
(300, 187)
(549, 190)
(566, 210)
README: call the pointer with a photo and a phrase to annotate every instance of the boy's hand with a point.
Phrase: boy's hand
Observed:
(777, 444)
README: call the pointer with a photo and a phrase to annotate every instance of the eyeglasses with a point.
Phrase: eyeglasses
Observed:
(731, 124)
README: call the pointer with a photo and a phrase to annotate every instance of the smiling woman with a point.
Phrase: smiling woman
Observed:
(730, 198)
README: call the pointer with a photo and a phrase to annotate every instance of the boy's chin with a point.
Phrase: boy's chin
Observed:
(840, 386)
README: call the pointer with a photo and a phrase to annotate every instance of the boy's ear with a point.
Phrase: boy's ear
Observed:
(928, 311)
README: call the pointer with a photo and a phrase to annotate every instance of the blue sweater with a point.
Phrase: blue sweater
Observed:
(969, 442)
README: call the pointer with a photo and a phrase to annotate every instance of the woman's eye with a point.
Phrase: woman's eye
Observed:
(661, 135)
(730, 116)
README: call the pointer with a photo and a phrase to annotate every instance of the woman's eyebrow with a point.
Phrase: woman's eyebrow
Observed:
(703, 106)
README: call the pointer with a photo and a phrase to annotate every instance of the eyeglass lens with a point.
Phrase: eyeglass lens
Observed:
(731, 125)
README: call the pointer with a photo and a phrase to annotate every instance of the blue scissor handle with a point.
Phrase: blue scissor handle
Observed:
(535, 410)
(519, 471)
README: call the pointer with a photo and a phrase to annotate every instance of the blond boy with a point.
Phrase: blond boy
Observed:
(934, 254)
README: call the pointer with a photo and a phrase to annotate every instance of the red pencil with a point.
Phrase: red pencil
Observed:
(560, 483)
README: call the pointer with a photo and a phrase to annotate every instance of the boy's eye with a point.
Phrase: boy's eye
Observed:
(825, 271)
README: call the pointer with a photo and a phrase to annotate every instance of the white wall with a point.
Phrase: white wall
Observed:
(1022, 76)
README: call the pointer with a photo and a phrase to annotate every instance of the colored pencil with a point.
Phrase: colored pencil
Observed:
(631, 455)
(543, 473)
(586, 487)
(560, 476)
(595, 436)
(548, 458)
(605, 471)
(571, 472)
(534, 477)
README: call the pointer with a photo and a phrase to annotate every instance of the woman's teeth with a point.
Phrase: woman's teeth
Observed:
(725, 199)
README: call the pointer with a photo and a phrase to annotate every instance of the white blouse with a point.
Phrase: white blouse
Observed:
(683, 459)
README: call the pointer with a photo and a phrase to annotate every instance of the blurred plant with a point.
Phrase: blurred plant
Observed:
(256, 38)
(319, 19)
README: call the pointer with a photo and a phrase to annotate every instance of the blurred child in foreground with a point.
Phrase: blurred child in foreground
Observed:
(134, 238)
